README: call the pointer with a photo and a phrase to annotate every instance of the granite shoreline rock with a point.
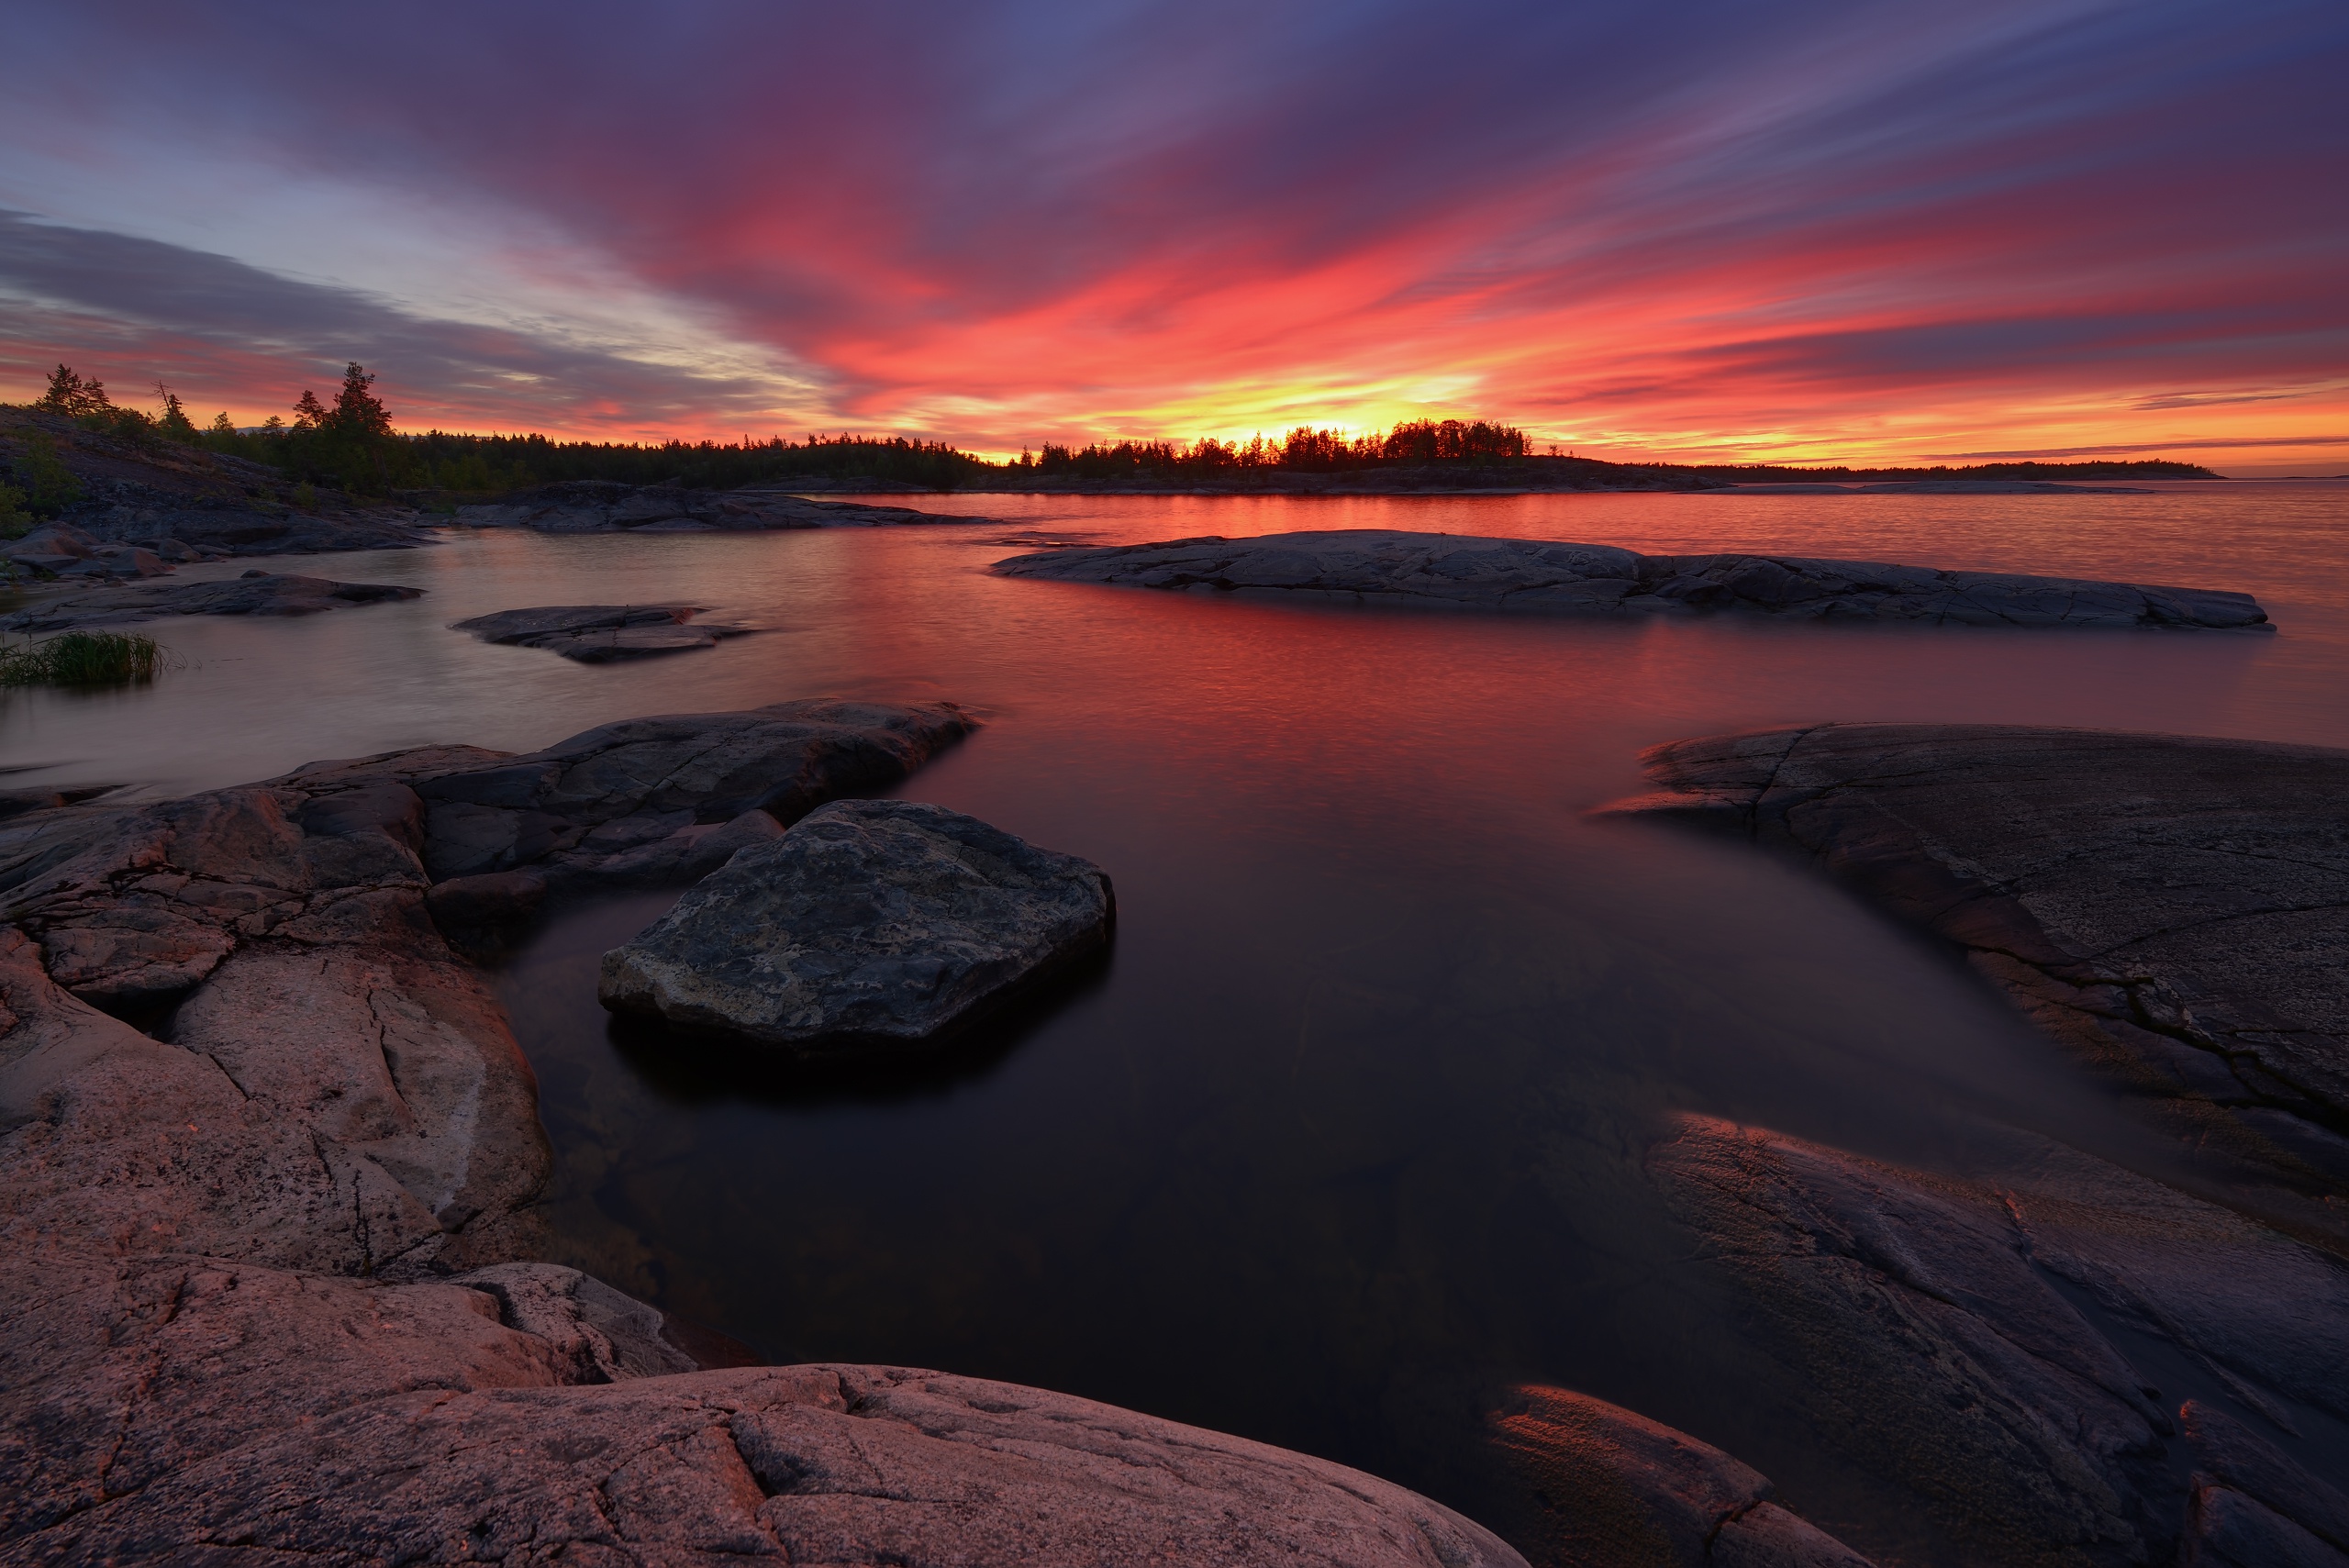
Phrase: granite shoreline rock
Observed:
(257, 593)
(600, 634)
(2176, 909)
(869, 922)
(265, 1287)
(1644, 1492)
(1406, 569)
(1998, 1349)
(589, 506)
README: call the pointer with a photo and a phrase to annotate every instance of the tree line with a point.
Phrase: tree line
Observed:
(348, 443)
(1303, 449)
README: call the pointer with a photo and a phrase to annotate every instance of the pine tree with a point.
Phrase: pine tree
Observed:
(358, 411)
(174, 422)
(309, 414)
(70, 394)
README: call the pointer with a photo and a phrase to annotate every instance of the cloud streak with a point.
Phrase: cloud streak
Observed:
(1827, 227)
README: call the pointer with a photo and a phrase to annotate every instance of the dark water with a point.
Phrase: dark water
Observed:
(1348, 1131)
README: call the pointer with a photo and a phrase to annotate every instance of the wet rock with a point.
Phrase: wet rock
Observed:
(15, 802)
(254, 594)
(598, 634)
(1604, 1485)
(631, 798)
(2174, 909)
(883, 919)
(1946, 1334)
(1445, 571)
(602, 506)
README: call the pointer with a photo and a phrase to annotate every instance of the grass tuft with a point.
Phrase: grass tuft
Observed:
(84, 659)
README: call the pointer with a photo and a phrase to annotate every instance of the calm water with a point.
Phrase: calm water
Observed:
(1347, 1133)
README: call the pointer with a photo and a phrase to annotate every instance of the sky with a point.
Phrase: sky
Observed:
(1704, 230)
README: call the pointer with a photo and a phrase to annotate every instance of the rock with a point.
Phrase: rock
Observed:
(358, 1094)
(2177, 909)
(589, 506)
(2252, 1505)
(885, 919)
(1445, 571)
(351, 1098)
(605, 798)
(264, 1281)
(1614, 1487)
(255, 594)
(15, 802)
(142, 492)
(1924, 1332)
(51, 540)
(596, 634)
(494, 1455)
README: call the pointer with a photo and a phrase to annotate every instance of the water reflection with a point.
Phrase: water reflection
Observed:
(1350, 1132)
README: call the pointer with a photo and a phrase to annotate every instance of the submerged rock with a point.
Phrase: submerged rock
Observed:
(598, 634)
(2177, 909)
(593, 506)
(256, 593)
(1604, 1485)
(1446, 571)
(870, 919)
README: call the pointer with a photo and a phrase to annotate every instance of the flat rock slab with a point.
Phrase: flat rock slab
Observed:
(600, 634)
(254, 594)
(872, 920)
(1995, 1348)
(2177, 908)
(1462, 571)
(599, 506)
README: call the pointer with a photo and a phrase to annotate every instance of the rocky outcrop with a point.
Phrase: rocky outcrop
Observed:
(1528, 576)
(599, 634)
(871, 920)
(591, 506)
(61, 550)
(182, 502)
(257, 593)
(1601, 1484)
(2177, 909)
(263, 1277)
(655, 802)
(1981, 1345)
(471, 1442)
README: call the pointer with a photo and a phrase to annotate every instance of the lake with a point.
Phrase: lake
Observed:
(1347, 1132)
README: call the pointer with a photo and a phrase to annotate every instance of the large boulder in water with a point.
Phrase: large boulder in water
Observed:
(870, 919)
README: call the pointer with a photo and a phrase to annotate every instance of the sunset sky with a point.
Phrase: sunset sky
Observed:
(1765, 229)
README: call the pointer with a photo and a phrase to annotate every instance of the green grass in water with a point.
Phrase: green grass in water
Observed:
(84, 658)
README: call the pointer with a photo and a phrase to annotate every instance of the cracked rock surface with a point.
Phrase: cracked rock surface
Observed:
(256, 593)
(870, 919)
(599, 634)
(1460, 572)
(595, 506)
(2177, 909)
(1642, 1492)
(1997, 1349)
